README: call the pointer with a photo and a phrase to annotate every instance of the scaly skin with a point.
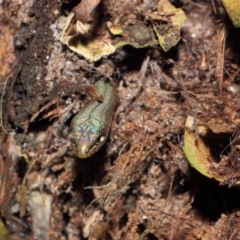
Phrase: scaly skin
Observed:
(90, 127)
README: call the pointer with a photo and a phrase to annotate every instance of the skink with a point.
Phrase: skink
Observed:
(90, 127)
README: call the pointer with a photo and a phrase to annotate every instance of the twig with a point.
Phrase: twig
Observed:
(1, 104)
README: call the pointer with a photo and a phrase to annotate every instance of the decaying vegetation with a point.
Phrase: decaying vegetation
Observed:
(170, 60)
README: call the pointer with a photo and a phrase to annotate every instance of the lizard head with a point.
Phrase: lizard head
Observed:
(87, 135)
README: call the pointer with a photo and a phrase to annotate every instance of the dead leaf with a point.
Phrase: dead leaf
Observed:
(196, 151)
(84, 9)
(168, 33)
(233, 10)
(124, 28)
(203, 150)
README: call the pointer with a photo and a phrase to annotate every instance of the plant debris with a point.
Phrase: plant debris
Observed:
(233, 11)
(170, 167)
(86, 35)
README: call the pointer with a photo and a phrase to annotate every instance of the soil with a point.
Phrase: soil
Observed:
(139, 185)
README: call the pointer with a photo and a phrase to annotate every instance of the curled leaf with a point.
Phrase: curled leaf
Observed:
(92, 48)
(204, 147)
(195, 149)
(168, 33)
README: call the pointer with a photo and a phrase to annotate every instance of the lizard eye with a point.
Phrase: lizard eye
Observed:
(100, 139)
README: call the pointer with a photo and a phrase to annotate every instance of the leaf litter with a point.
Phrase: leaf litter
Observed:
(140, 184)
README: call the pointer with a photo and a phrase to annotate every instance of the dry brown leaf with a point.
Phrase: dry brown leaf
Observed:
(84, 9)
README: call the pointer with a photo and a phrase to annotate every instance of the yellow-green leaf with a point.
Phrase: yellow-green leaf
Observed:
(168, 33)
(233, 10)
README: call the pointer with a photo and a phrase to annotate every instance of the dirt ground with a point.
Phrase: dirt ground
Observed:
(140, 184)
